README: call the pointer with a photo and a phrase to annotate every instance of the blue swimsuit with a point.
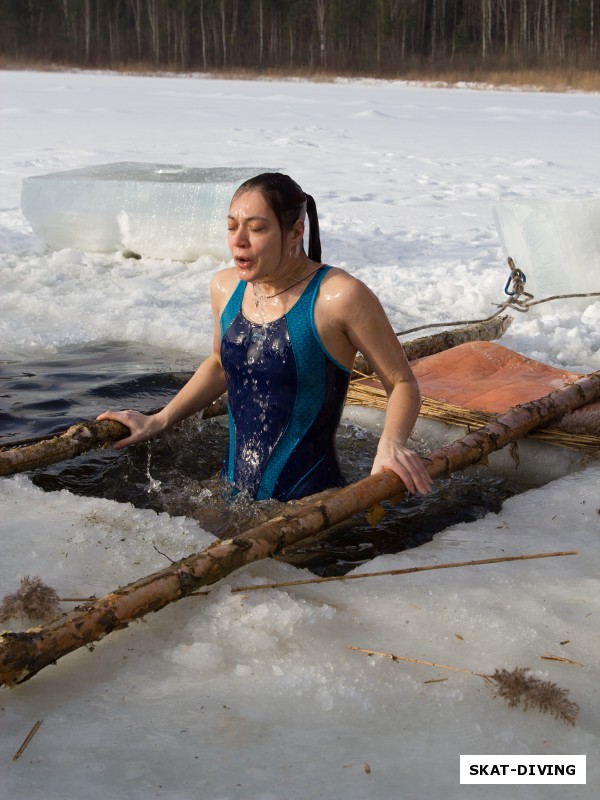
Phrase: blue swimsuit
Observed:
(286, 395)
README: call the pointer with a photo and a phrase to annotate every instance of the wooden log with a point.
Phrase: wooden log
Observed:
(483, 331)
(73, 442)
(85, 436)
(23, 654)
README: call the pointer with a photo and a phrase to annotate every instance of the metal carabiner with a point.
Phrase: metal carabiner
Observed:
(516, 274)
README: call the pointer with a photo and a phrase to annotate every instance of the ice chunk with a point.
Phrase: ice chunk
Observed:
(556, 243)
(156, 210)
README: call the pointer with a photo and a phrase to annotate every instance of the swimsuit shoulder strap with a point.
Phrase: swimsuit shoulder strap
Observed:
(233, 307)
(307, 299)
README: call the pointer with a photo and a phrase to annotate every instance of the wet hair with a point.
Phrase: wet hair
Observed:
(289, 203)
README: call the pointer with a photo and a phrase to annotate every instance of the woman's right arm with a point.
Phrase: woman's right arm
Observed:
(205, 386)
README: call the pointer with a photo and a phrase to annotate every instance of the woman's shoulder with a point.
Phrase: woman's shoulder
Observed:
(222, 286)
(224, 281)
(340, 283)
(225, 277)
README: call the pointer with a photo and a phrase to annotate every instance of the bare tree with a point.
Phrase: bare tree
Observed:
(361, 36)
(321, 10)
(154, 20)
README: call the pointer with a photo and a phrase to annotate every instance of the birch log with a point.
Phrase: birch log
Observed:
(24, 654)
(75, 440)
(85, 436)
(437, 342)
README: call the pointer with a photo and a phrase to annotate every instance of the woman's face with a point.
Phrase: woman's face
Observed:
(255, 239)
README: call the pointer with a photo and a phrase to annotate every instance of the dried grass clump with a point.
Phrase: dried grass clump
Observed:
(519, 687)
(516, 687)
(33, 600)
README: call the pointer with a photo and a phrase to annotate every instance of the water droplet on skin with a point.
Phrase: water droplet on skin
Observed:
(260, 302)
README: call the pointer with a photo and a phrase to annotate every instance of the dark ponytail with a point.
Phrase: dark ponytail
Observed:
(289, 203)
(314, 236)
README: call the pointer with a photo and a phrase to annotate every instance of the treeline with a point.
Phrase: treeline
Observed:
(373, 37)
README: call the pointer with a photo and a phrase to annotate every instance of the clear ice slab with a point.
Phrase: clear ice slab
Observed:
(158, 210)
(555, 242)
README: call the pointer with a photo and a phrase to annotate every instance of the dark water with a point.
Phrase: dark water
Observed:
(45, 394)
(176, 473)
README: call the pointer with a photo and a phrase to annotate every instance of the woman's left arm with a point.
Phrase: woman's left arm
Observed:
(404, 401)
(367, 328)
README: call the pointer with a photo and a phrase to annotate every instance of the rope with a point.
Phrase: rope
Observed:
(517, 279)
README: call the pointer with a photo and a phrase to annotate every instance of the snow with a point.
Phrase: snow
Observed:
(256, 694)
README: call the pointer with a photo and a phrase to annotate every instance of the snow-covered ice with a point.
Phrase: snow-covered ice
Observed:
(255, 695)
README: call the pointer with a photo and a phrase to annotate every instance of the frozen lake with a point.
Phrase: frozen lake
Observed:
(256, 695)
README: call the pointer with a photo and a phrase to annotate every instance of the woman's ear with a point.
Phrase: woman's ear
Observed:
(297, 232)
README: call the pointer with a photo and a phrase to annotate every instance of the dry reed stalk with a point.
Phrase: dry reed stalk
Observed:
(562, 659)
(335, 578)
(403, 571)
(28, 739)
(516, 686)
(362, 393)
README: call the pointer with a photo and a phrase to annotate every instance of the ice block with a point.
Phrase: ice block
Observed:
(555, 242)
(157, 210)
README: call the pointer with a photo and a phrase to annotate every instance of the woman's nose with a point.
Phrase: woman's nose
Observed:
(238, 237)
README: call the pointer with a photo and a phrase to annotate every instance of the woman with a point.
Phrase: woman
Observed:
(287, 330)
